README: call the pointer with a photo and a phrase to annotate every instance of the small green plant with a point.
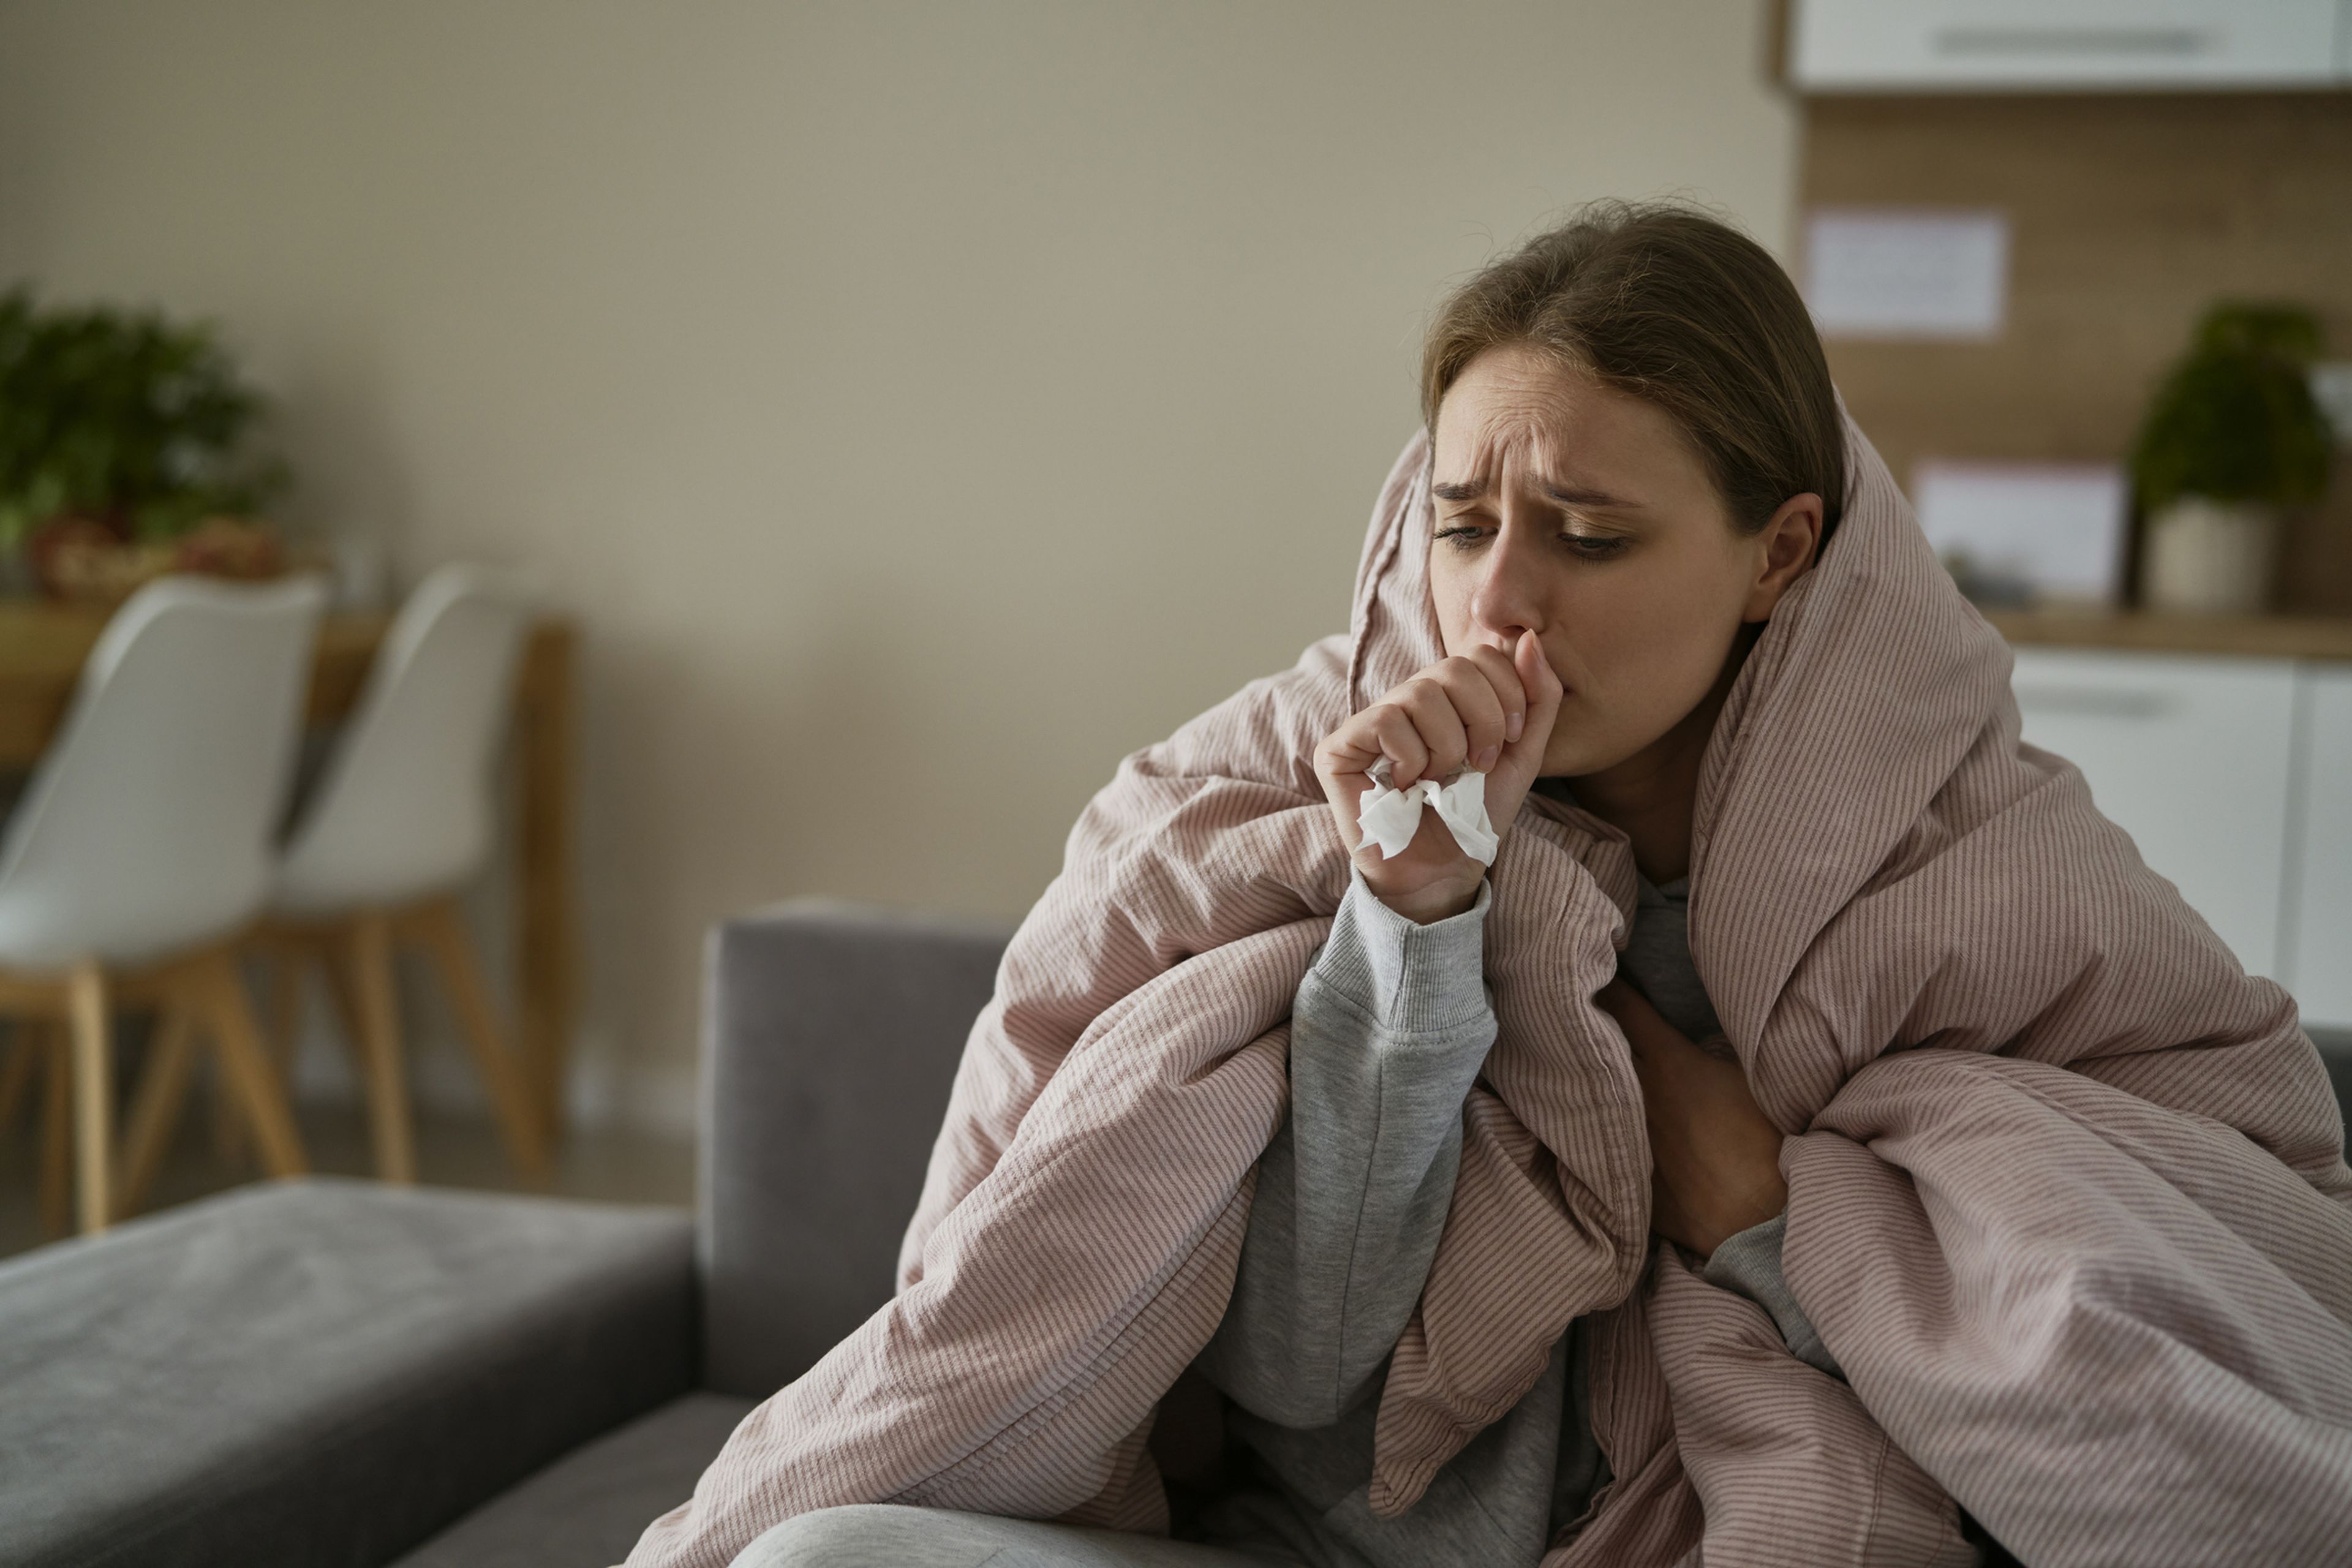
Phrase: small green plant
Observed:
(124, 418)
(2235, 420)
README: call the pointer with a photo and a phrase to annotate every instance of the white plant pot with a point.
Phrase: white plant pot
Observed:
(2208, 558)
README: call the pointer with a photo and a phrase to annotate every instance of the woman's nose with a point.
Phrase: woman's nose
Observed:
(1508, 599)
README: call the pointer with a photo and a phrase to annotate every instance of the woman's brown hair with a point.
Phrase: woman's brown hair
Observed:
(1684, 311)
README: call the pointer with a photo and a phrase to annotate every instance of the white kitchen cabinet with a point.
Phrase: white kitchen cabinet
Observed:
(2042, 45)
(2194, 756)
(2318, 932)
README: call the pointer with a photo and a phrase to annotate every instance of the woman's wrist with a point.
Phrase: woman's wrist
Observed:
(1427, 906)
(1416, 981)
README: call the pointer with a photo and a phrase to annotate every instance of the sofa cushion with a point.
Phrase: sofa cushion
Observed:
(587, 1509)
(321, 1372)
(832, 1037)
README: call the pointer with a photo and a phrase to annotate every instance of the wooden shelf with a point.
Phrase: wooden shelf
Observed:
(2130, 214)
(2263, 637)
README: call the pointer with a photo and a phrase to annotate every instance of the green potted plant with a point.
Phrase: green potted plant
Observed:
(2233, 438)
(124, 450)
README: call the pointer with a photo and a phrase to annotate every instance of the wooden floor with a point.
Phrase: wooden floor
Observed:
(451, 1151)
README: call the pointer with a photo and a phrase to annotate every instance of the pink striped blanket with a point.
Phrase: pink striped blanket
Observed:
(2066, 1190)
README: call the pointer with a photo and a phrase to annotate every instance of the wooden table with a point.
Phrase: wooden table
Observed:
(42, 648)
(2148, 631)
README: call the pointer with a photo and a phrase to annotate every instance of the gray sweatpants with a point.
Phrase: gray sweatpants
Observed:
(887, 1535)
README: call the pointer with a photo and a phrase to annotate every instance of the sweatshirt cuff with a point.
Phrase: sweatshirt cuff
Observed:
(1749, 1264)
(1413, 979)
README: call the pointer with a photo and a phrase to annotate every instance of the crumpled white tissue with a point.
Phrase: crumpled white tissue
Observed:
(1389, 817)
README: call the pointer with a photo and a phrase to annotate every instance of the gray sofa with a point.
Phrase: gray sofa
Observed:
(338, 1374)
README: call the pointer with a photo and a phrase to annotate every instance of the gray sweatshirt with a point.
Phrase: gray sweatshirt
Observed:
(1389, 1030)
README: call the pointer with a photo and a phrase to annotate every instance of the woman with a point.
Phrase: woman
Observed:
(1597, 590)
(1980, 1176)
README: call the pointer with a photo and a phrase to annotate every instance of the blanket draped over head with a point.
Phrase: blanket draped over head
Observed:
(2066, 1190)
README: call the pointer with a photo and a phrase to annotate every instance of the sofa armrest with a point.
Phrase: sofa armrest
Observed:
(830, 1037)
(320, 1371)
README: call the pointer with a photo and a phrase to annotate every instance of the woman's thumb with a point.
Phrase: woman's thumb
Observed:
(1537, 677)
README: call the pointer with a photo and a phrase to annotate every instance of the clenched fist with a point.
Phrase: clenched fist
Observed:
(1489, 709)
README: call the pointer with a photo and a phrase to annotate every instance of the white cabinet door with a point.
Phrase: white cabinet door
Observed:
(2191, 756)
(1966, 46)
(2319, 862)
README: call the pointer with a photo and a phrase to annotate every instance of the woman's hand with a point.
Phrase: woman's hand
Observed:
(1485, 710)
(1716, 1159)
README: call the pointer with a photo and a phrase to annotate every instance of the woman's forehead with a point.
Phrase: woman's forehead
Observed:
(1562, 433)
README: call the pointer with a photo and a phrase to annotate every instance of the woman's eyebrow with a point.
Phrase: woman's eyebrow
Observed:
(1566, 494)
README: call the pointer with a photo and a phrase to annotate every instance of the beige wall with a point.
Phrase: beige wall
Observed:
(919, 407)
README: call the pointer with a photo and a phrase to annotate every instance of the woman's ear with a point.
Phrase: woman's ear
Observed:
(1790, 540)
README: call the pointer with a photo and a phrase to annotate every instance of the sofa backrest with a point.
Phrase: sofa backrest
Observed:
(831, 1037)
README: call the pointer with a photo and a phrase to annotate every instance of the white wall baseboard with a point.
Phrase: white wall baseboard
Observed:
(658, 1099)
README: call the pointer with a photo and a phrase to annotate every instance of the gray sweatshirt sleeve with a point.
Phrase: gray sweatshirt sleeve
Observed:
(1750, 1264)
(1391, 1027)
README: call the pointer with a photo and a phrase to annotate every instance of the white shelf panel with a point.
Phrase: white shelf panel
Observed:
(2041, 46)
(2192, 755)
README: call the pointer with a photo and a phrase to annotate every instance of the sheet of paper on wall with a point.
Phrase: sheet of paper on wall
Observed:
(2026, 534)
(1894, 273)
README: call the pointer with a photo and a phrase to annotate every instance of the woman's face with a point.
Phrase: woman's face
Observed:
(1583, 514)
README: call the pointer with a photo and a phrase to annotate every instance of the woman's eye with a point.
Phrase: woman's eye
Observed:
(1589, 546)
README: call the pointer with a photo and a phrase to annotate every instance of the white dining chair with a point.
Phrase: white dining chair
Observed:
(144, 847)
(403, 816)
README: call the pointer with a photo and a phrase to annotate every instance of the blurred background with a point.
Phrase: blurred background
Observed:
(900, 413)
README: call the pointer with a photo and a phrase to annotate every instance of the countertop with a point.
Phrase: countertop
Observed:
(2263, 637)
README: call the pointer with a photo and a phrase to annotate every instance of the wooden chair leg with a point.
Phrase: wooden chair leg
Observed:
(345, 1000)
(440, 929)
(280, 1043)
(219, 989)
(92, 1025)
(286, 966)
(56, 1130)
(367, 949)
(231, 1143)
(156, 1104)
(23, 1056)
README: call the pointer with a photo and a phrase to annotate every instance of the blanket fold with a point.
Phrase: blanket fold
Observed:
(2067, 1198)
